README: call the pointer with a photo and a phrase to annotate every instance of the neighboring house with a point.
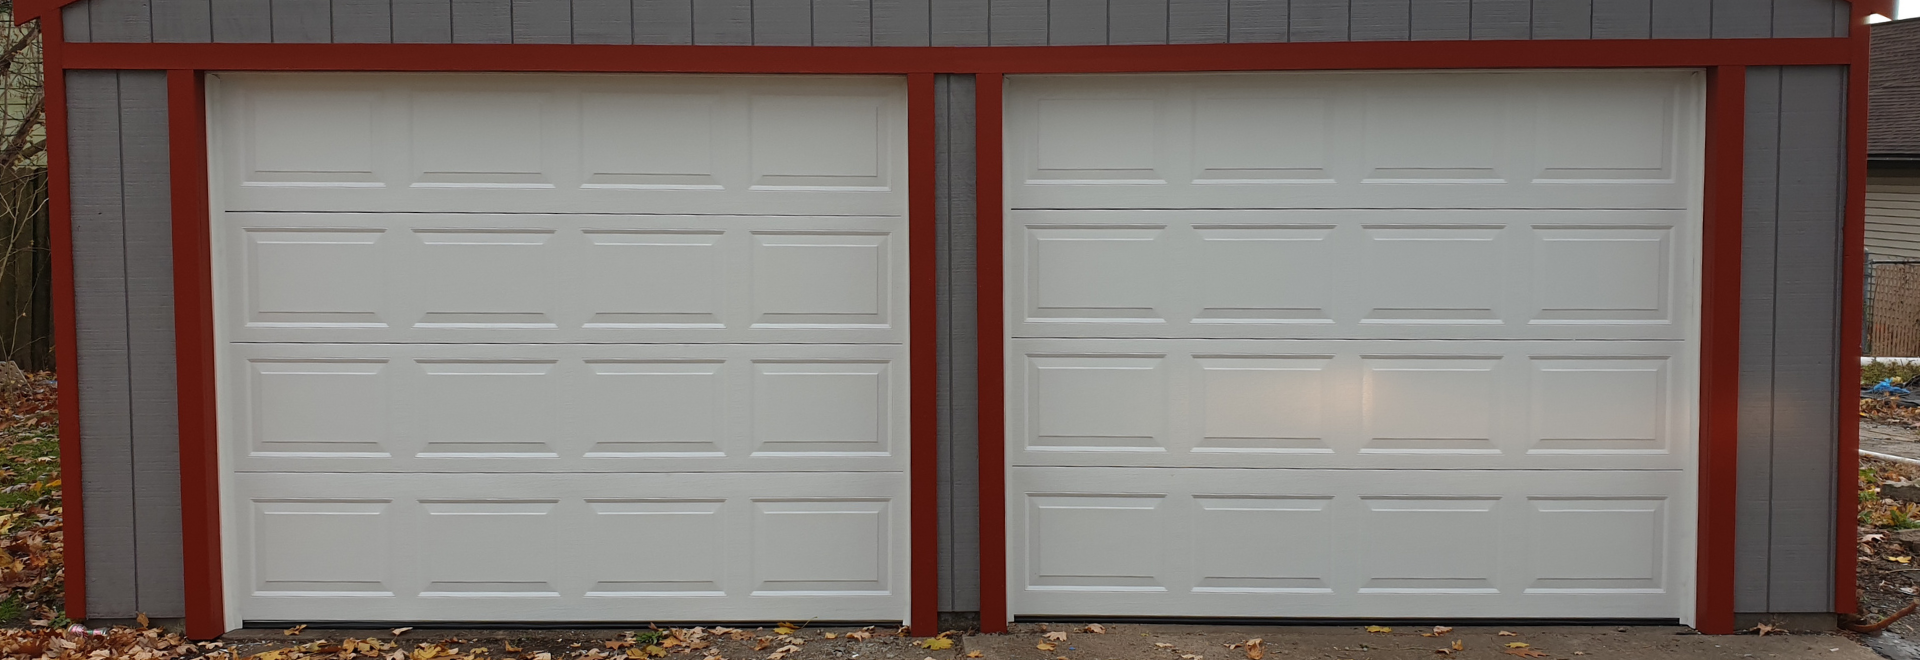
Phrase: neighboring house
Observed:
(412, 311)
(1893, 142)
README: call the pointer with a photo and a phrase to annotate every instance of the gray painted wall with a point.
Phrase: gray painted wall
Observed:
(123, 280)
(939, 22)
(1789, 338)
(959, 333)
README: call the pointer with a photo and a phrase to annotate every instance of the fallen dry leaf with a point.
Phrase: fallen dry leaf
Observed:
(1256, 649)
(1163, 645)
(513, 649)
(1901, 559)
(1437, 631)
(1504, 633)
(1096, 629)
(1044, 646)
(141, 617)
(294, 630)
(974, 654)
(830, 636)
(1379, 629)
(1518, 645)
(940, 644)
(860, 635)
(1190, 656)
(1056, 636)
(1763, 629)
(785, 628)
(400, 631)
(1525, 653)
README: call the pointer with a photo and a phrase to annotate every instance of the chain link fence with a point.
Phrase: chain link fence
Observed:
(1892, 324)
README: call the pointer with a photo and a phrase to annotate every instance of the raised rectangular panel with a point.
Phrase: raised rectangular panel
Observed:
(1606, 132)
(1263, 404)
(1262, 544)
(488, 408)
(322, 547)
(1095, 542)
(1261, 140)
(648, 141)
(479, 140)
(310, 138)
(1434, 135)
(821, 279)
(653, 408)
(656, 547)
(822, 408)
(1454, 552)
(820, 142)
(1437, 405)
(1432, 274)
(1596, 545)
(1097, 140)
(1096, 274)
(1096, 403)
(1602, 274)
(315, 278)
(318, 408)
(654, 278)
(485, 278)
(821, 546)
(1599, 405)
(1265, 274)
(505, 548)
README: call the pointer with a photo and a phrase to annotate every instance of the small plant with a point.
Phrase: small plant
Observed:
(1876, 371)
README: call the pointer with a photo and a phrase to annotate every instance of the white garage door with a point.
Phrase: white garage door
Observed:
(565, 348)
(1352, 345)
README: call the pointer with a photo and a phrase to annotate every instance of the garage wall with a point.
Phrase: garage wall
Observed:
(1790, 317)
(959, 334)
(123, 268)
(938, 22)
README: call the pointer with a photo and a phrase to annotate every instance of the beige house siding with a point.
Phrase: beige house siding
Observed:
(1893, 213)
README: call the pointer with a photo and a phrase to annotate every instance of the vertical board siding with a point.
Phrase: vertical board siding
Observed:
(1563, 19)
(121, 21)
(902, 23)
(302, 21)
(959, 358)
(100, 319)
(1806, 329)
(422, 21)
(1743, 19)
(362, 21)
(542, 21)
(1790, 339)
(1437, 20)
(1380, 20)
(602, 22)
(1256, 21)
(154, 410)
(1197, 21)
(1802, 18)
(1622, 19)
(183, 21)
(958, 22)
(723, 22)
(1753, 515)
(482, 21)
(1318, 20)
(663, 22)
(1077, 22)
(782, 22)
(242, 21)
(1502, 19)
(842, 22)
(75, 23)
(1682, 19)
(1017, 22)
(1131, 22)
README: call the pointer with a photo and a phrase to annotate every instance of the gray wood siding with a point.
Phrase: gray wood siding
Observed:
(940, 22)
(1893, 213)
(958, 366)
(123, 266)
(1790, 314)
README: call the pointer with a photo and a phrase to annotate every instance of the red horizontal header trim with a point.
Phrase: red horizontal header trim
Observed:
(1601, 53)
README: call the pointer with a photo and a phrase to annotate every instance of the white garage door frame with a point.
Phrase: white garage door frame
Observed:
(877, 206)
(1121, 480)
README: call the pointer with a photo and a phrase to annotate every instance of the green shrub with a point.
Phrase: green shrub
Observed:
(1876, 371)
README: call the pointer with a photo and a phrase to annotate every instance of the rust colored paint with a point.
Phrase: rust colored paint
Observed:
(1720, 347)
(66, 354)
(193, 353)
(924, 345)
(989, 260)
(1853, 255)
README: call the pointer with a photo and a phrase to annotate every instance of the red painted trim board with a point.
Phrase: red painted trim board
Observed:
(1853, 255)
(194, 349)
(1720, 348)
(923, 347)
(989, 259)
(1001, 59)
(66, 336)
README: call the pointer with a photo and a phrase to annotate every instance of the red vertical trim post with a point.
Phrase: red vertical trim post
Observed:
(1720, 347)
(923, 346)
(194, 347)
(66, 335)
(988, 261)
(1853, 257)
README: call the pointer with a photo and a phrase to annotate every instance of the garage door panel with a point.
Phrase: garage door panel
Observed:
(557, 408)
(1426, 140)
(1356, 404)
(1330, 543)
(1453, 274)
(479, 278)
(536, 143)
(663, 547)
